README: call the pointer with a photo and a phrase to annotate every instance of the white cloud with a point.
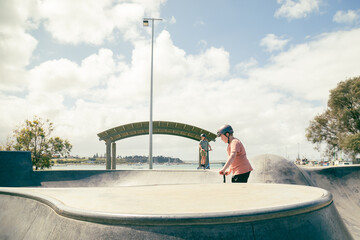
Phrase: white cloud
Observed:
(271, 42)
(78, 21)
(15, 50)
(15, 109)
(173, 69)
(348, 17)
(16, 45)
(19, 15)
(66, 77)
(291, 9)
(92, 21)
(245, 66)
(212, 64)
(197, 89)
(311, 69)
(193, 89)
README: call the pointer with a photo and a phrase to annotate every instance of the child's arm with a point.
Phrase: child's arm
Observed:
(228, 163)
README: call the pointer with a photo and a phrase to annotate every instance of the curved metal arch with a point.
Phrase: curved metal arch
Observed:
(159, 127)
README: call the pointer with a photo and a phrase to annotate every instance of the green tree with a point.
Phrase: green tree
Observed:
(34, 136)
(339, 126)
(8, 145)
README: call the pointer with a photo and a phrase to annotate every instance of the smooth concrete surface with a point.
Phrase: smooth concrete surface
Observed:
(344, 184)
(270, 168)
(198, 199)
(28, 219)
(21, 212)
(342, 181)
(202, 211)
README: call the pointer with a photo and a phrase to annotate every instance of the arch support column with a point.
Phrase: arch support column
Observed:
(108, 154)
(113, 157)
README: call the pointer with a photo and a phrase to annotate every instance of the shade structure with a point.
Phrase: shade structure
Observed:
(159, 127)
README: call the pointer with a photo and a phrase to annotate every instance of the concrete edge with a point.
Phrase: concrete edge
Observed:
(128, 170)
(305, 175)
(174, 219)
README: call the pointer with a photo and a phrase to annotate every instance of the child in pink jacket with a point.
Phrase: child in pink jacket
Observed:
(237, 162)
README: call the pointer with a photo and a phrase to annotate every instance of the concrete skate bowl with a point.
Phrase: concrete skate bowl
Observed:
(342, 182)
(182, 211)
(270, 168)
(166, 205)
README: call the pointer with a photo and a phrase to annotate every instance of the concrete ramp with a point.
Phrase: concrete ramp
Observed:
(344, 184)
(191, 211)
(270, 168)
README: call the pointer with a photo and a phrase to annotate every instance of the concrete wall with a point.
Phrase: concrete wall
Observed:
(16, 169)
(344, 184)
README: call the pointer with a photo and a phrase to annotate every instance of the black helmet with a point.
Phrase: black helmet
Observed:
(203, 135)
(225, 129)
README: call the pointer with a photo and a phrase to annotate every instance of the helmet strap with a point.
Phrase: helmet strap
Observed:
(228, 137)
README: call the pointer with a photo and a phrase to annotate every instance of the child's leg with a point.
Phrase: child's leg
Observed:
(203, 158)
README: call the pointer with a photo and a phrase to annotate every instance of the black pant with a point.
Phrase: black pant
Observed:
(241, 178)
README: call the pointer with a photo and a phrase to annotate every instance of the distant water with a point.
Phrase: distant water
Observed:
(189, 166)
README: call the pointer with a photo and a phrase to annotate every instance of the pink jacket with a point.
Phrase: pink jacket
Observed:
(240, 164)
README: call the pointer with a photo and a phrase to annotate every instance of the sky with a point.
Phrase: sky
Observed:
(263, 66)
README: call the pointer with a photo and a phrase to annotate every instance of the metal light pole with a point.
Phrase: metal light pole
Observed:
(146, 24)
